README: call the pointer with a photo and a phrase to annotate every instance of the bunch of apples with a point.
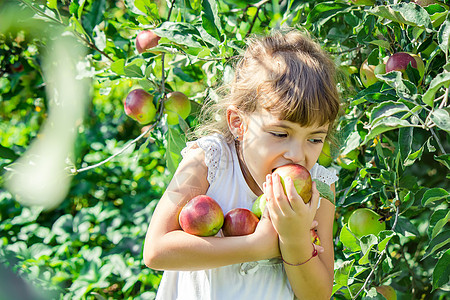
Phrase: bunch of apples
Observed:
(140, 105)
(203, 216)
(398, 61)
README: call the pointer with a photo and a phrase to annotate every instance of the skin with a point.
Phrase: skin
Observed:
(264, 144)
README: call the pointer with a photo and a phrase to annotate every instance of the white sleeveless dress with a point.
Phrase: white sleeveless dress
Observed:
(260, 280)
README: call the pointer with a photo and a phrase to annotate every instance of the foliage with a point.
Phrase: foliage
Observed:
(90, 246)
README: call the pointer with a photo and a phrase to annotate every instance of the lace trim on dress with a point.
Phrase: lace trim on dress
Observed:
(213, 152)
(323, 174)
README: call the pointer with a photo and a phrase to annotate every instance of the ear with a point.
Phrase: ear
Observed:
(235, 121)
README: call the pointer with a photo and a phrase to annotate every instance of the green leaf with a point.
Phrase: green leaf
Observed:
(404, 88)
(385, 109)
(385, 124)
(438, 242)
(441, 272)
(360, 196)
(442, 79)
(441, 118)
(414, 156)
(324, 190)
(175, 143)
(118, 67)
(437, 221)
(180, 33)
(8, 153)
(385, 237)
(342, 273)
(367, 243)
(404, 13)
(323, 12)
(404, 225)
(53, 4)
(210, 19)
(444, 36)
(348, 239)
(443, 159)
(434, 194)
(405, 137)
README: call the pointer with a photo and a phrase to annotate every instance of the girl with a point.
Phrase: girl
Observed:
(280, 108)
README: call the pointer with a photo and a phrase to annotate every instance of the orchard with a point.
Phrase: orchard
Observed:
(99, 97)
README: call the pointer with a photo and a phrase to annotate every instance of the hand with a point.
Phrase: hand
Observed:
(266, 237)
(291, 217)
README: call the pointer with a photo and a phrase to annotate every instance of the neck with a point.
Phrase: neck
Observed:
(245, 172)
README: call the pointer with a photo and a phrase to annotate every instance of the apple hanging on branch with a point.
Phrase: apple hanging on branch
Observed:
(401, 60)
(176, 106)
(201, 216)
(364, 221)
(139, 106)
(145, 40)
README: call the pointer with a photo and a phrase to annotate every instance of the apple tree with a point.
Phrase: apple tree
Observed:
(135, 75)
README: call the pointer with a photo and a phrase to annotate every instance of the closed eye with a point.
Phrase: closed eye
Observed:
(316, 141)
(279, 134)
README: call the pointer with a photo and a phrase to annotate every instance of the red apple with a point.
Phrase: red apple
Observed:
(145, 40)
(399, 62)
(364, 221)
(301, 178)
(425, 3)
(239, 221)
(139, 106)
(201, 216)
(177, 104)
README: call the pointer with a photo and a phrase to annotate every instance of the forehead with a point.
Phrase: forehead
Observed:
(264, 118)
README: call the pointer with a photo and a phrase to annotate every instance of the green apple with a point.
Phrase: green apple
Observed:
(176, 105)
(259, 205)
(201, 216)
(367, 74)
(364, 221)
(387, 291)
(300, 177)
(325, 157)
(139, 106)
(145, 40)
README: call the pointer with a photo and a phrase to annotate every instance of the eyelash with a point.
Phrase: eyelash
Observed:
(284, 135)
(316, 141)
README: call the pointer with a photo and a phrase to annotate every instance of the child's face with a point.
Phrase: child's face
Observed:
(268, 143)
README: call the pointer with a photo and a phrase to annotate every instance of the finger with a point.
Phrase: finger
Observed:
(314, 224)
(319, 249)
(314, 197)
(295, 201)
(280, 197)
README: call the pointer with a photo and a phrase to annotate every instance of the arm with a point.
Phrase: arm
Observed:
(292, 219)
(167, 247)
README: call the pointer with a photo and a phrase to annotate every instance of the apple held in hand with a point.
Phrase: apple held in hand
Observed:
(364, 221)
(177, 104)
(300, 177)
(239, 221)
(145, 40)
(139, 106)
(201, 216)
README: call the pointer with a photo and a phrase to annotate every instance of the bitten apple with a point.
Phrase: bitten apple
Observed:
(315, 238)
(139, 106)
(177, 104)
(239, 221)
(145, 40)
(300, 177)
(201, 216)
(364, 221)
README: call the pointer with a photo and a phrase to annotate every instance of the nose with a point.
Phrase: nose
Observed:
(296, 153)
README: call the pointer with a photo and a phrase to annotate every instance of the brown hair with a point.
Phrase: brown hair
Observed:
(286, 73)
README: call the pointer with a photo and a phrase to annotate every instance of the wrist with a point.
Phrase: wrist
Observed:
(297, 251)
